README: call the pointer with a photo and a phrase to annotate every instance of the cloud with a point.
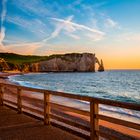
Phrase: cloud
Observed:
(29, 48)
(32, 48)
(2, 48)
(66, 26)
(129, 37)
(76, 26)
(4, 10)
(74, 36)
(24, 48)
(70, 28)
(35, 7)
(100, 4)
(94, 37)
(54, 34)
(59, 28)
(3, 15)
(109, 23)
(35, 26)
(2, 34)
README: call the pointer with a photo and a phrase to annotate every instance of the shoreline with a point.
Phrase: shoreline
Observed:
(115, 127)
(4, 77)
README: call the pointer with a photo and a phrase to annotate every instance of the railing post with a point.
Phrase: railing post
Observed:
(94, 124)
(19, 103)
(46, 108)
(1, 95)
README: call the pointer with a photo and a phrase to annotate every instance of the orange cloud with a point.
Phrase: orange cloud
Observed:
(25, 48)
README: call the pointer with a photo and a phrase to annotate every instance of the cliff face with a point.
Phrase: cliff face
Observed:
(67, 63)
(73, 62)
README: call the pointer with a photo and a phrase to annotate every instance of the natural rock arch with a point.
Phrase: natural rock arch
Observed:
(100, 64)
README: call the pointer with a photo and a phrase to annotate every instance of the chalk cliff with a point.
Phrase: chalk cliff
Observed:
(74, 62)
(67, 63)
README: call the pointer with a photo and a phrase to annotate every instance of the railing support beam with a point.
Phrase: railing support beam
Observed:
(19, 103)
(94, 123)
(1, 95)
(46, 108)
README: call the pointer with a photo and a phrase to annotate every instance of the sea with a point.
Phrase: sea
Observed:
(116, 85)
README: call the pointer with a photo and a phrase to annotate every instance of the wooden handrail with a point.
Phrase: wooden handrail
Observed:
(32, 110)
(30, 99)
(10, 102)
(48, 106)
(119, 121)
(69, 122)
(132, 106)
(71, 109)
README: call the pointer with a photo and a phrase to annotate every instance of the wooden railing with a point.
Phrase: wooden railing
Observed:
(47, 107)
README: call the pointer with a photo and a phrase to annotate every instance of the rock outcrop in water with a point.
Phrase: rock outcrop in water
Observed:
(68, 63)
(101, 66)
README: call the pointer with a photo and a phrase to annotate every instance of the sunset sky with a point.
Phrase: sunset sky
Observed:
(109, 28)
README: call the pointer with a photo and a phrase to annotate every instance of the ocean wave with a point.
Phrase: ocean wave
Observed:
(105, 87)
(115, 110)
(121, 111)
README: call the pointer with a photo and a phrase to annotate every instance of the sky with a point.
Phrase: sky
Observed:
(108, 28)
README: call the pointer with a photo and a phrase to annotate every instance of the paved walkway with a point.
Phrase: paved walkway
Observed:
(15, 126)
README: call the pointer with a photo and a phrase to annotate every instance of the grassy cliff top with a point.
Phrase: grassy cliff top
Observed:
(22, 59)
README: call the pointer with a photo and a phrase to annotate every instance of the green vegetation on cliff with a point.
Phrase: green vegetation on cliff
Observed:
(27, 59)
(19, 62)
(21, 59)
